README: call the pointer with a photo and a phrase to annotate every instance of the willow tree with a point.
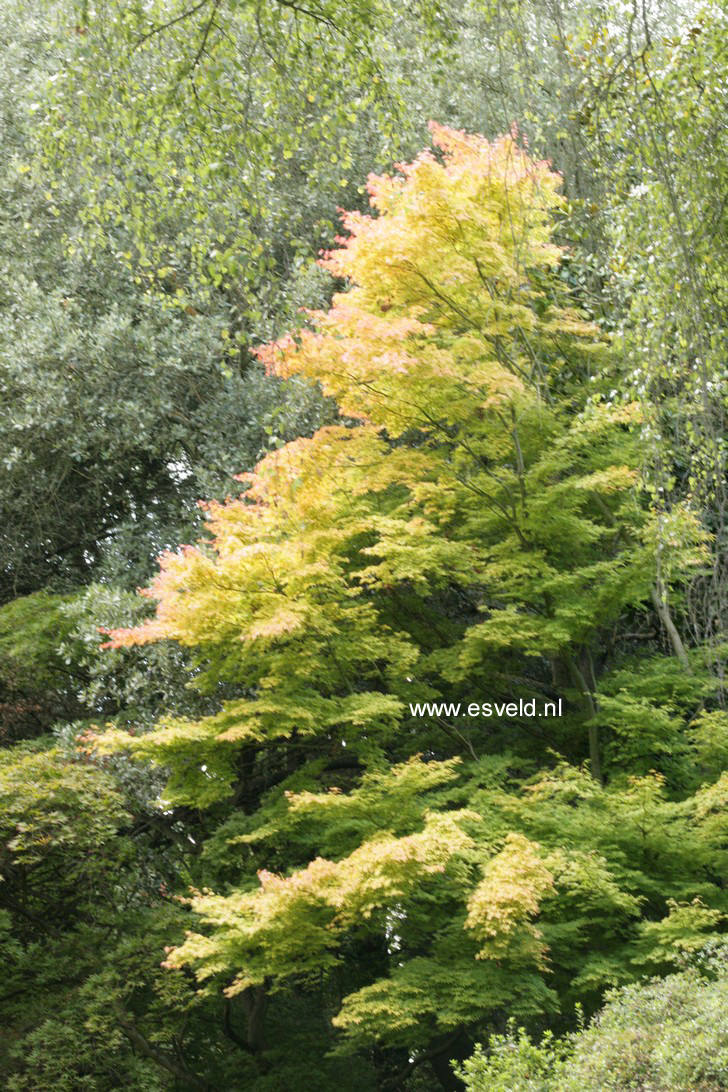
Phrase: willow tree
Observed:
(211, 140)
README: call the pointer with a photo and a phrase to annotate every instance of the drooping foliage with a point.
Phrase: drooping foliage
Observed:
(660, 136)
(202, 114)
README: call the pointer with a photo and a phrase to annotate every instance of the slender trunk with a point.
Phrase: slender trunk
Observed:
(663, 613)
(591, 710)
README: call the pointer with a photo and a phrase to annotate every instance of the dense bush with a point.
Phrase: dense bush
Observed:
(659, 1035)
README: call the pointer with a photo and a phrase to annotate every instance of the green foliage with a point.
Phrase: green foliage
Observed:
(208, 115)
(233, 853)
(54, 812)
(516, 1064)
(38, 676)
(657, 121)
(666, 1033)
(118, 411)
(485, 469)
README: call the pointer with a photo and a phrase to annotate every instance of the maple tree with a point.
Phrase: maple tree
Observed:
(244, 849)
(475, 528)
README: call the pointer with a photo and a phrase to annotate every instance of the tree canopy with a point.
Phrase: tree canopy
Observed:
(407, 767)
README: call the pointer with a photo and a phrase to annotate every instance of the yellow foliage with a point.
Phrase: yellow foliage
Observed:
(501, 907)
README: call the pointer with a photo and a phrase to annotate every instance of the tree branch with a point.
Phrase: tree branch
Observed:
(142, 1046)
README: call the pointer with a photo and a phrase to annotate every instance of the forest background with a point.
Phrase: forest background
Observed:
(489, 463)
